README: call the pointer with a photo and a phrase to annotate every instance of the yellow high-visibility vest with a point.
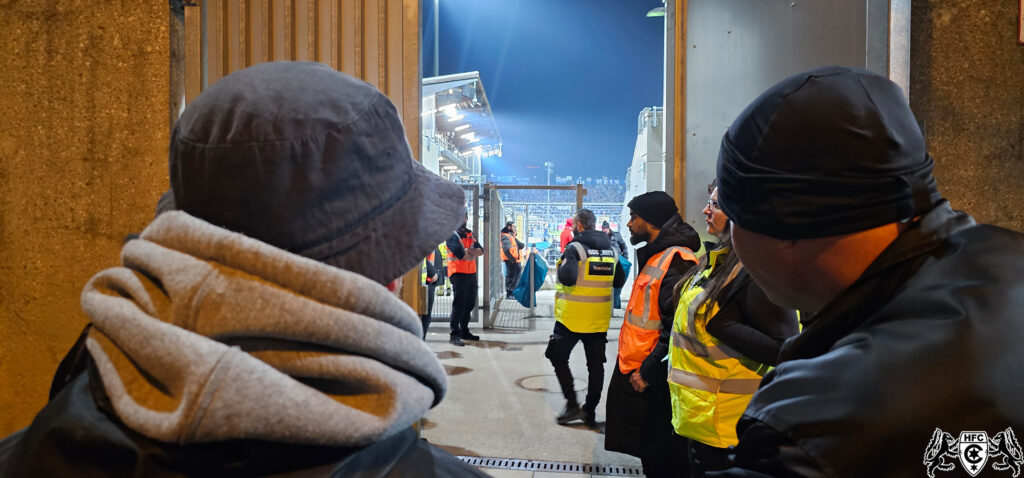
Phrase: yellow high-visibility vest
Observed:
(711, 384)
(587, 306)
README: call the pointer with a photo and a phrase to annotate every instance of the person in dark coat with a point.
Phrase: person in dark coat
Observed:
(911, 311)
(619, 246)
(639, 410)
(232, 340)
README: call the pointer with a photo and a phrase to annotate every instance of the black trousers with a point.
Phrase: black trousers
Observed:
(464, 286)
(560, 345)
(512, 271)
(431, 288)
(705, 458)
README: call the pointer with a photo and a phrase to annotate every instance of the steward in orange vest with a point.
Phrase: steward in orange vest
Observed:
(463, 251)
(511, 254)
(639, 408)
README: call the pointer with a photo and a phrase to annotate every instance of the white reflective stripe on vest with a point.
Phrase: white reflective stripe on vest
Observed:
(656, 272)
(692, 345)
(653, 272)
(592, 283)
(736, 386)
(583, 298)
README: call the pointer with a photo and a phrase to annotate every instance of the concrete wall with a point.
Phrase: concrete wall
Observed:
(967, 90)
(84, 122)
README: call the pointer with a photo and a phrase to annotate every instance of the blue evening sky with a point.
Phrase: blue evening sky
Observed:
(566, 78)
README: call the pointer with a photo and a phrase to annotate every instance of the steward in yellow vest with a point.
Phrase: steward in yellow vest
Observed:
(726, 335)
(639, 410)
(587, 272)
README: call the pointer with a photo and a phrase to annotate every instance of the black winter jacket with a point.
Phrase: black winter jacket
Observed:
(567, 271)
(79, 434)
(929, 337)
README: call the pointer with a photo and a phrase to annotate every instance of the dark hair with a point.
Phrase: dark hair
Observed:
(719, 278)
(713, 185)
(585, 218)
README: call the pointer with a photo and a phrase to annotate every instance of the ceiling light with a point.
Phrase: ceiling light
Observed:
(656, 12)
(455, 118)
(460, 128)
(468, 135)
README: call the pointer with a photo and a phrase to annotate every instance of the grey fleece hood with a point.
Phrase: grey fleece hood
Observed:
(206, 335)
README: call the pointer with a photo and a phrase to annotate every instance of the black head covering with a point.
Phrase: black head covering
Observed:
(655, 207)
(826, 152)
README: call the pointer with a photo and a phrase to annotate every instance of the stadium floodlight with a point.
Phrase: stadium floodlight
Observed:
(460, 128)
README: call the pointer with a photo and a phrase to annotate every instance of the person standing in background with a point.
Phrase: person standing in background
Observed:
(511, 254)
(619, 246)
(566, 236)
(587, 272)
(639, 405)
(431, 276)
(463, 249)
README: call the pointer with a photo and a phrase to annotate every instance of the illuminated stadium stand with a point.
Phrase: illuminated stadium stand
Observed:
(458, 127)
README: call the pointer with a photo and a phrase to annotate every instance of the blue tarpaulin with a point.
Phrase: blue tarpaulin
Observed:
(540, 272)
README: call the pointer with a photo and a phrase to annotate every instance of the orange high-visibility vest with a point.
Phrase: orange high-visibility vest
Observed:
(639, 334)
(462, 266)
(513, 248)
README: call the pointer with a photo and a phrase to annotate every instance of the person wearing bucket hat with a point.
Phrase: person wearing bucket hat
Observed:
(250, 329)
(910, 310)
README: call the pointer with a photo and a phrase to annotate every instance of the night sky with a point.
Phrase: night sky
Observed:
(566, 79)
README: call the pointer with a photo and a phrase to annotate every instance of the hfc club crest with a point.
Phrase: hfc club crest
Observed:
(974, 449)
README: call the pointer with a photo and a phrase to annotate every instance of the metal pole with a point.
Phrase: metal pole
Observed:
(482, 232)
(529, 263)
(437, 36)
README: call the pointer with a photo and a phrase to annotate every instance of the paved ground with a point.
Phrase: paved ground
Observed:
(503, 396)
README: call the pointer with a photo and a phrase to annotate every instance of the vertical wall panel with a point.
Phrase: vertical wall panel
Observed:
(280, 31)
(370, 40)
(193, 53)
(376, 40)
(347, 37)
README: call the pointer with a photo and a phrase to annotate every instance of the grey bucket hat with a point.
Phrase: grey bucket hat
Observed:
(315, 162)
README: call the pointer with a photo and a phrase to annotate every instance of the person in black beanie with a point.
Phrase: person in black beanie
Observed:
(655, 207)
(910, 310)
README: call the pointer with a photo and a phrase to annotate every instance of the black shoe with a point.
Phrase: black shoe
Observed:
(589, 419)
(468, 336)
(456, 341)
(571, 413)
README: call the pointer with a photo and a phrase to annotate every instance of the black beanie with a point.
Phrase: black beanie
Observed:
(655, 207)
(822, 153)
